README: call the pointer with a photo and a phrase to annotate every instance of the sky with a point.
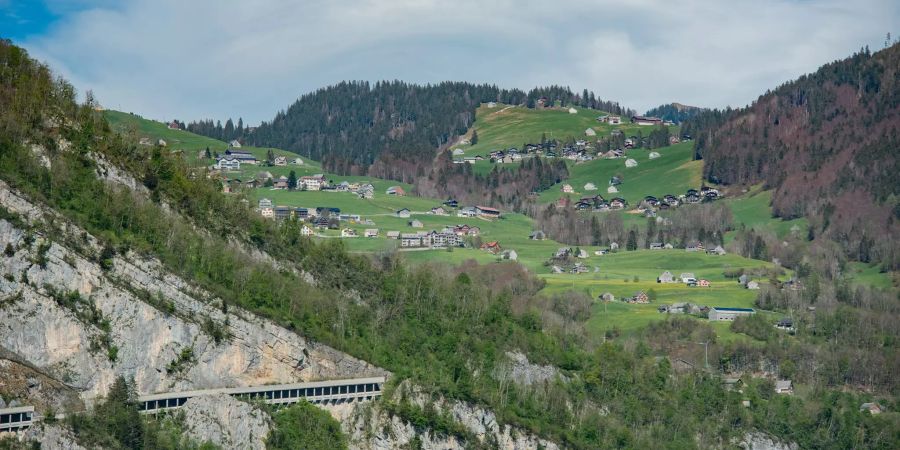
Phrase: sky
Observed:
(197, 59)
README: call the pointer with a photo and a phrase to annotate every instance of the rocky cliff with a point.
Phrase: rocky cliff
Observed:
(83, 324)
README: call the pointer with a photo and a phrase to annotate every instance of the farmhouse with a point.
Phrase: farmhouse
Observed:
(590, 187)
(665, 277)
(688, 277)
(631, 162)
(244, 157)
(439, 211)
(653, 155)
(486, 212)
(590, 132)
(395, 190)
(641, 120)
(393, 235)
(280, 161)
(693, 247)
(716, 251)
(537, 235)
(510, 255)
(281, 183)
(656, 246)
(348, 233)
(404, 213)
(567, 188)
(416, 223)
(370, 232)
(640, 297)
(492, 247)
(306, 231)
(721, 313)
(467, 211)
(753, 285)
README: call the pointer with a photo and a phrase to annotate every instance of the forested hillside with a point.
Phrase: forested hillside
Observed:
(676, 112)
(351, 125)
(827, 144)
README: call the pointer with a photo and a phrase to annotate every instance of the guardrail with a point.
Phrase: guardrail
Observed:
(317, 392)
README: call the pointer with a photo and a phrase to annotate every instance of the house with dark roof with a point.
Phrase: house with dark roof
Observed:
(722, 313)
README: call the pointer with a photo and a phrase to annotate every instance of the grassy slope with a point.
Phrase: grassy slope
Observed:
(673, 172)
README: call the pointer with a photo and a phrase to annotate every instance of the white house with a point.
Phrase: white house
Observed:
(234, 143)
(371, 232)
(458, 151)
(267, 212)
(298, 161)
(630, 162)
(349, 233)
(688, 277)
(307, 231)
(312, 183)
(654, 155)
(665, 277)
(567, 188)
(614, 120)
(612, 189)
(590, 187)
(510, 255)
(590, 132)
(573, 111)
(228, 163)
(280, 161)
(404, 213)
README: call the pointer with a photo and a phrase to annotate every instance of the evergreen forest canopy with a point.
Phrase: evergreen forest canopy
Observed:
(352, 124)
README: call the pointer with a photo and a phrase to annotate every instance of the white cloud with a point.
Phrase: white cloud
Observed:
(196, 59)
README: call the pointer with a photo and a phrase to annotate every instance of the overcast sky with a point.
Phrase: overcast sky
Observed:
(193, 59)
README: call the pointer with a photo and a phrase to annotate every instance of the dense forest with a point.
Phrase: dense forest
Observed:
(351, 125)
(448, 328)
(676, 112)
(827, 144)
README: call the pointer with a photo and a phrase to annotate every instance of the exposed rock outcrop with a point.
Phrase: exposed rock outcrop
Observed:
(761, 441)
(145, 315)
(227, 422)
(51, 437)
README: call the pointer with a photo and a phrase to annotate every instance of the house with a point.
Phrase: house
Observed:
(704, 283)
(492, 247)
(590, 132)
(451, 203)
(640, 297)
(630, 162)
(404, 213)
(614, 120)
(573, 111)
(537, 235)
(784, 387)
(562, 252)
(267, 212)
(370, 232)
(306, 231)
(590, 187)
(265, 203)
(612, 190)
(617, 203)
(486, 212)
(243, 156)
(410, 240)
(656, 246)
(312, 182)
(785, 324)
(281, 183)
(647, 121)
(416, 223)
(688, 277)
(613, 245)
(653, 155)
(298, 161)
(716, 251)
(393, 235)
(458, 152)
(732, 383)
(743, 279)
(567, 188)
(348, 233)
(161, 143)
(467, 211)
(301, 213)
(693, 247)
(582, 253)
(282, 212)
(665, 277)
(510, 255)
(615, 181)
(395, 190)
(234, 143)
(753, 285)
(607, 297)
(280, 161)
(173, 125)
(721, 313)
(439, 211)
(228, 163)
(871, 407)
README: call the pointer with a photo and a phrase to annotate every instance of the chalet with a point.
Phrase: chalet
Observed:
(656, 246)
(640, 297)
(753, 285)
(323, 223)
(721, 314)
(704, 283)
(280, 161)
(510, 255)
(265, 203)
(590, 187)
(228, 163)
(173, 125)
(458, 152)
(581, 253)
(370, 232)
(393, 235)
(653, 155)
(301, 213)
(607, 297)
(590, 132)
(618, 203)
(612, 190)
(404, 213)
(486, 212)
(281, 183)
(234, 143)
(580, 268)
(784, 387)
(450, 203)
(613, 245)
(492, 247)
(243, 156)
(693, 247)
(415, 223)
(687, 277)
(718, 250)
(349, 233)
(282, 212)
(646, 121)
(395, 190)
(562, 252)
(582, 205)
(665, 277)
(267, 212)
(537, 235)
(306, 231)
(313, 182)
(630, 162)
(670, 199)
(568, 189)
(438, 211)
(467, 211)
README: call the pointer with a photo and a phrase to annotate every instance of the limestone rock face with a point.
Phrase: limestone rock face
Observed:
(519, 370)
(762, 441)
(227, 422)
(51, 437)
(148, 314)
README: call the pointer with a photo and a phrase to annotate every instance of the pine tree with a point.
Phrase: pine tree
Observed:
(292, 180)
(474, 137)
